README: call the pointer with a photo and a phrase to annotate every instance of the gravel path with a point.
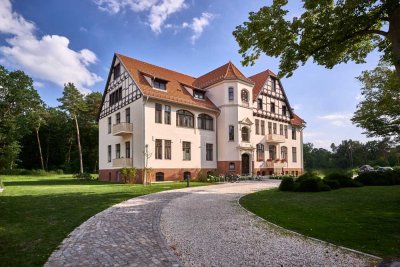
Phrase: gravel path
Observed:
(209, 228)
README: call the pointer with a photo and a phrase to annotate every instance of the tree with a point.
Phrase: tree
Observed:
(379, 112)
(331, 32)
(73, 102)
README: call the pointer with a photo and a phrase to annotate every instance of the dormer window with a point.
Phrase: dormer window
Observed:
(117, 71)
(160, 84)
(198, 94)
(273, 84)
(284, 110)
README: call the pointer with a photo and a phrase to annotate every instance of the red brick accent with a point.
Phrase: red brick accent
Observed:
(289, 171)
(223, 166)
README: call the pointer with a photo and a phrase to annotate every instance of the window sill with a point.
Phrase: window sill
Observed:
(184, 127)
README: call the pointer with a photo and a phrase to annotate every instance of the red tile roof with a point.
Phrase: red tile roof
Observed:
(175, 91)
(259, 80)
(296, 120)
(225, 72)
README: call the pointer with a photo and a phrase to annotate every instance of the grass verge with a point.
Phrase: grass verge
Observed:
(366, 219)
(37, 213)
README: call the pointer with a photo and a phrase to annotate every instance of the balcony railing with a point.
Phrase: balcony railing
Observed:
(122, 162)
(275, 138)
(123, 128)
(276, 163)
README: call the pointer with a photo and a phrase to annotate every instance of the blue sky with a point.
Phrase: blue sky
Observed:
(73, 41)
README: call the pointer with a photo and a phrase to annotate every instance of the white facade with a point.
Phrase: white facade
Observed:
(150, 140)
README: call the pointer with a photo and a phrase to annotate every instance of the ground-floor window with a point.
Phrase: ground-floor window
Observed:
(209, 152)
(232, 166)
(186, 176)
(159, 176)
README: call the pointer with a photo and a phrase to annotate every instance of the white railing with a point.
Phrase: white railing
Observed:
(122, 162)
(275, 138)
(122, 128)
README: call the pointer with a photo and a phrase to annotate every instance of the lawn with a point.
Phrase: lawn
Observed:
(37, 213)
(366, 219)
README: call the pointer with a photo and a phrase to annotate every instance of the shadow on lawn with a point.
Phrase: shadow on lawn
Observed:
(55, 181)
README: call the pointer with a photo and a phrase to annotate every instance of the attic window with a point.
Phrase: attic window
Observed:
(198, 94)
(160, 84)
(117, 71)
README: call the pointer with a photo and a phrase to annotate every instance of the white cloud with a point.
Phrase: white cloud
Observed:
(48, 58)
(159, 10)
(337, 119)
(198, 24)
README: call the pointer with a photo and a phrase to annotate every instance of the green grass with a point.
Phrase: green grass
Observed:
(365, 219)
(37, 213)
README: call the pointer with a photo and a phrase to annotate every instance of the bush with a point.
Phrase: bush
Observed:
(324, 187)
(379, 178)
(84, 176)
(333, 184)
(309, 185)
(129, 175)
(287, 184)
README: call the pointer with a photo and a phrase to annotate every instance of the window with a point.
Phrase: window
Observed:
(115, 96)
(128, 150)
(117, 71)
(118, 118)
(272, 152)
(293, 133)
(260, 152)
(286, 132)
(257, 126)
(158, 117)
(167, 114)
(159, 176)
(281, 129)
(209, 152)
(158, 154)
(184, 118)
(109, 153)
(186, 150)
(274, 128)
(259, 104)
(198, 94)
(284, 153)
(272, 107)
(160, 84)
(245, 134)
(231, 166)
(128, 115)
(294, 154)
(109, 124)
(245, 96)
(262, 127)
(273, 84)
(117, 151)
(231, 132)
(284, 110)
(205, 122)
(167, 149)
(187, 176)
(230, 93)
(269, 127)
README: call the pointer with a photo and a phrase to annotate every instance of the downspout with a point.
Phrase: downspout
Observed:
(144, 138)
(301, 148)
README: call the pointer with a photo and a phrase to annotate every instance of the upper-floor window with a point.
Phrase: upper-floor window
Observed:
(260, 152)
(284, 153)
(186, 150)
(231, 132)
(128, 150)
(160, 84)
(118, 118)
(286, 132)
(281, 129)
(273, 84)
(158, 147)
(209, 152)
(109, 153)
(205, 122)
(257, 126)
(109, 124)
(275, 130)
(269, 127)
(128, 115)
(230, 93)
(259, 104)
(293, 133)
(294, 154)
(117, 71)
(284, 111)
(262, 127)
(272, 107)
(272, 152)
(115, 96)
(184, 118)
(245, 134)
(167, 114)
(198, 94)
(158, 118)
(167, 149)
(118, 151)
(245, 96)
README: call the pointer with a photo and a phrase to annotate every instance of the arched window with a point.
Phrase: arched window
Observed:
(159, 177)
(245, 134)
(284, 153)
(245, 95)
(205, 122)
(260, 152)
(272, 152)
(184, 118)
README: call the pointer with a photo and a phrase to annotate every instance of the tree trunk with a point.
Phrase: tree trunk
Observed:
(394, 37)
(78, 137)
(40, 147)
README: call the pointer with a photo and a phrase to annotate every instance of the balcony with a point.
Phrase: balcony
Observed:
(276, 164)
(122, 129)
(275, 138)
(122, 162)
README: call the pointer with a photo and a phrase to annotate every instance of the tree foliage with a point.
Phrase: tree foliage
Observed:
(379, 112)
(330, 32)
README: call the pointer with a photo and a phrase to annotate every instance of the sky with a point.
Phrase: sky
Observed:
(56, 42)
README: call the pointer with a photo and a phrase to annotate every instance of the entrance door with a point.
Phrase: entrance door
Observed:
(245, 164)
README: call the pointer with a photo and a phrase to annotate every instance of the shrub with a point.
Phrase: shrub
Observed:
(84, 176)
(333, 184)
(129, 175)
(379, 178)
(287, 184)
(309, 185)
(323, 187)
